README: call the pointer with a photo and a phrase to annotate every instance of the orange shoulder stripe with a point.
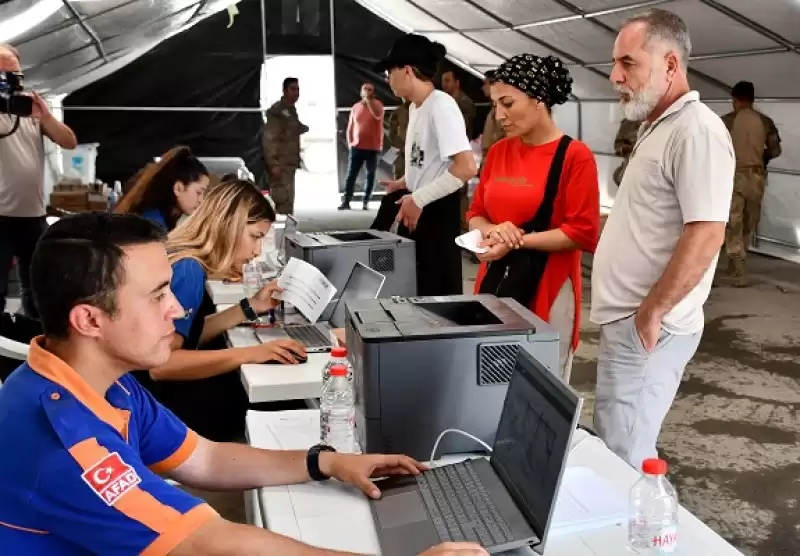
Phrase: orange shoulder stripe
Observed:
(136, 504)
(179, 456)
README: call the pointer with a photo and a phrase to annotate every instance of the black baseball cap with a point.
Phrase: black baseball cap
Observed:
(415, 51)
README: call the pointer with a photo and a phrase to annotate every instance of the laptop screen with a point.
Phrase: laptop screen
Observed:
(533, 438)
(363, 283)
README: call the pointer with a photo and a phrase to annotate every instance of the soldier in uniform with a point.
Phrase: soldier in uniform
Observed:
(492, 130)
(452, 86)
(281, 145)
(623, 145)
(755, 142)
(398, 123)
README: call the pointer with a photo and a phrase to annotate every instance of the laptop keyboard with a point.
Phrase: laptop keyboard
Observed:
(309, 336)
(460, 506)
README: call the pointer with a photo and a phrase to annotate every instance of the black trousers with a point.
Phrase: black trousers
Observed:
(438, 256)
(18, 238)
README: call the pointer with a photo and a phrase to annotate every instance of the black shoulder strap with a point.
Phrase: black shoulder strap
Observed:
(541, 220)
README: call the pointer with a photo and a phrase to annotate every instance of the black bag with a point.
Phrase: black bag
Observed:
(518, 274)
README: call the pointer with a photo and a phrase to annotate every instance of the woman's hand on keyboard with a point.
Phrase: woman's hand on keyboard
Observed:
(456, 549)
(286, 351)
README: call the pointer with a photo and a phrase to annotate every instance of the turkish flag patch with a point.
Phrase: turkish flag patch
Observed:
(110, 478)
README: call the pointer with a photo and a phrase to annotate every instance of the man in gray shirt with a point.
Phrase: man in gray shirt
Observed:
(655, 262)
(22, 204)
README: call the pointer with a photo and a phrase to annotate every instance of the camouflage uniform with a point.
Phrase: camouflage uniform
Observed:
(281, 144)
(623, 145)
(492, 133)
(755, 142)
(398, 124)
(467, 108)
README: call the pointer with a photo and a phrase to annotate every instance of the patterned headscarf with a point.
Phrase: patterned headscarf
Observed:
(545, 79)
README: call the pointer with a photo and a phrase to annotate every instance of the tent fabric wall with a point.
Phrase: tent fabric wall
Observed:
(209, 65)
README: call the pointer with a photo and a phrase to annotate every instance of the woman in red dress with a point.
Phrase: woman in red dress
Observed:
(512, 187)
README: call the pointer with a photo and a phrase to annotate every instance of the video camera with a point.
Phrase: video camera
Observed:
(12, 100)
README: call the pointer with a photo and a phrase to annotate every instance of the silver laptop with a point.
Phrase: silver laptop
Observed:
(503, 503)
(288, 231)
(363, 283)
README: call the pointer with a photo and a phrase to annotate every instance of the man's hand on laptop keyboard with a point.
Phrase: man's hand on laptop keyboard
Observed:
(284, 351)
(456, 549)
(263, 301)
(358, 470)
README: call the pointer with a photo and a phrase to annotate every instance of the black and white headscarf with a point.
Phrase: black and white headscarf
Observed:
(543, 78)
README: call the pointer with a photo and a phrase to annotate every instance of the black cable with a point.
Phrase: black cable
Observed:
(13, 129)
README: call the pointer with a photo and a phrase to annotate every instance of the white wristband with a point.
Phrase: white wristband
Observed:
(442, 186)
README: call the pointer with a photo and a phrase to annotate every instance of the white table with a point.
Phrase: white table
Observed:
(271, 383)
(338, 517)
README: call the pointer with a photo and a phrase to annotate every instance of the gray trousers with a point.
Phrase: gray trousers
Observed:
(635, 389)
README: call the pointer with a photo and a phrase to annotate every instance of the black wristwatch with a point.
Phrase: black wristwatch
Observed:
(247, 309)
(312, 461)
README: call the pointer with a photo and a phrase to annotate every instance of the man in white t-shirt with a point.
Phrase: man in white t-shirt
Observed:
(657, 254)
(439, 161)
(22, 163)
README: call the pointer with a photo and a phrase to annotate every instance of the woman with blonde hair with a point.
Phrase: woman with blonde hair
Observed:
(167, 190)
(225, 232)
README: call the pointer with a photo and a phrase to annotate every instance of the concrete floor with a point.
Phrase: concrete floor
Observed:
(733, 436)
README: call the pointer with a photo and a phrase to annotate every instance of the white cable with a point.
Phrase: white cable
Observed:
(459, 431)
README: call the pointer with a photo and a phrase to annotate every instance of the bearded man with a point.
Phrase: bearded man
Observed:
(655, 262)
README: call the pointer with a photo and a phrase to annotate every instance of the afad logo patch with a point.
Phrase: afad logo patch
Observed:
(110, 478)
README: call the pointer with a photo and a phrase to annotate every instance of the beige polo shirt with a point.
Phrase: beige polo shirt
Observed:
(681, 171)
(21, 168)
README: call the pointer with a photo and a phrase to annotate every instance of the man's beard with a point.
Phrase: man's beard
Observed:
(641, 103)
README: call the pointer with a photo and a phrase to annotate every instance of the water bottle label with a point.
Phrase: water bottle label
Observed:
(666, 540)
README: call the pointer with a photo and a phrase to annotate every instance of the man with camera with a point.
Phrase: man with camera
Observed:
(24, 120)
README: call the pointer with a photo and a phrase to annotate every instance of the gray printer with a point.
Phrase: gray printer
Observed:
(422, 365)
(335, 253)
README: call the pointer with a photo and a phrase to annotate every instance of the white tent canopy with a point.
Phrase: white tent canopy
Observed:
(67, 44)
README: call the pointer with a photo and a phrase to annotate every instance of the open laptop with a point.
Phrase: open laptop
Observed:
(288, 231)
(504, 502)
(363, 283)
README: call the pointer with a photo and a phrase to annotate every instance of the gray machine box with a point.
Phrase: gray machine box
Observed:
(335, 253)
(426, 364)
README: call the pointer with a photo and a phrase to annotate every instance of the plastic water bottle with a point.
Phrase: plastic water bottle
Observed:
(338, 357)
(337, 412)
(255, 275)
(653, 521)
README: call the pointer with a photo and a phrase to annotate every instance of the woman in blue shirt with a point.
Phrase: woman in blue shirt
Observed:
(225, 232)
(167, 190)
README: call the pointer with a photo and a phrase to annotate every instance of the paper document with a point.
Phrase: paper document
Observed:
(391, 155)
(470, 241)
(306, 288)
(587, 501)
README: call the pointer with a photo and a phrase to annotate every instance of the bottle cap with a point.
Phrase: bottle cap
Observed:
(338, 370)
(339, 352)
(654, 466)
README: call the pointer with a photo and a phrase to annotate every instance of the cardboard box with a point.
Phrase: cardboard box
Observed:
(78, 199)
